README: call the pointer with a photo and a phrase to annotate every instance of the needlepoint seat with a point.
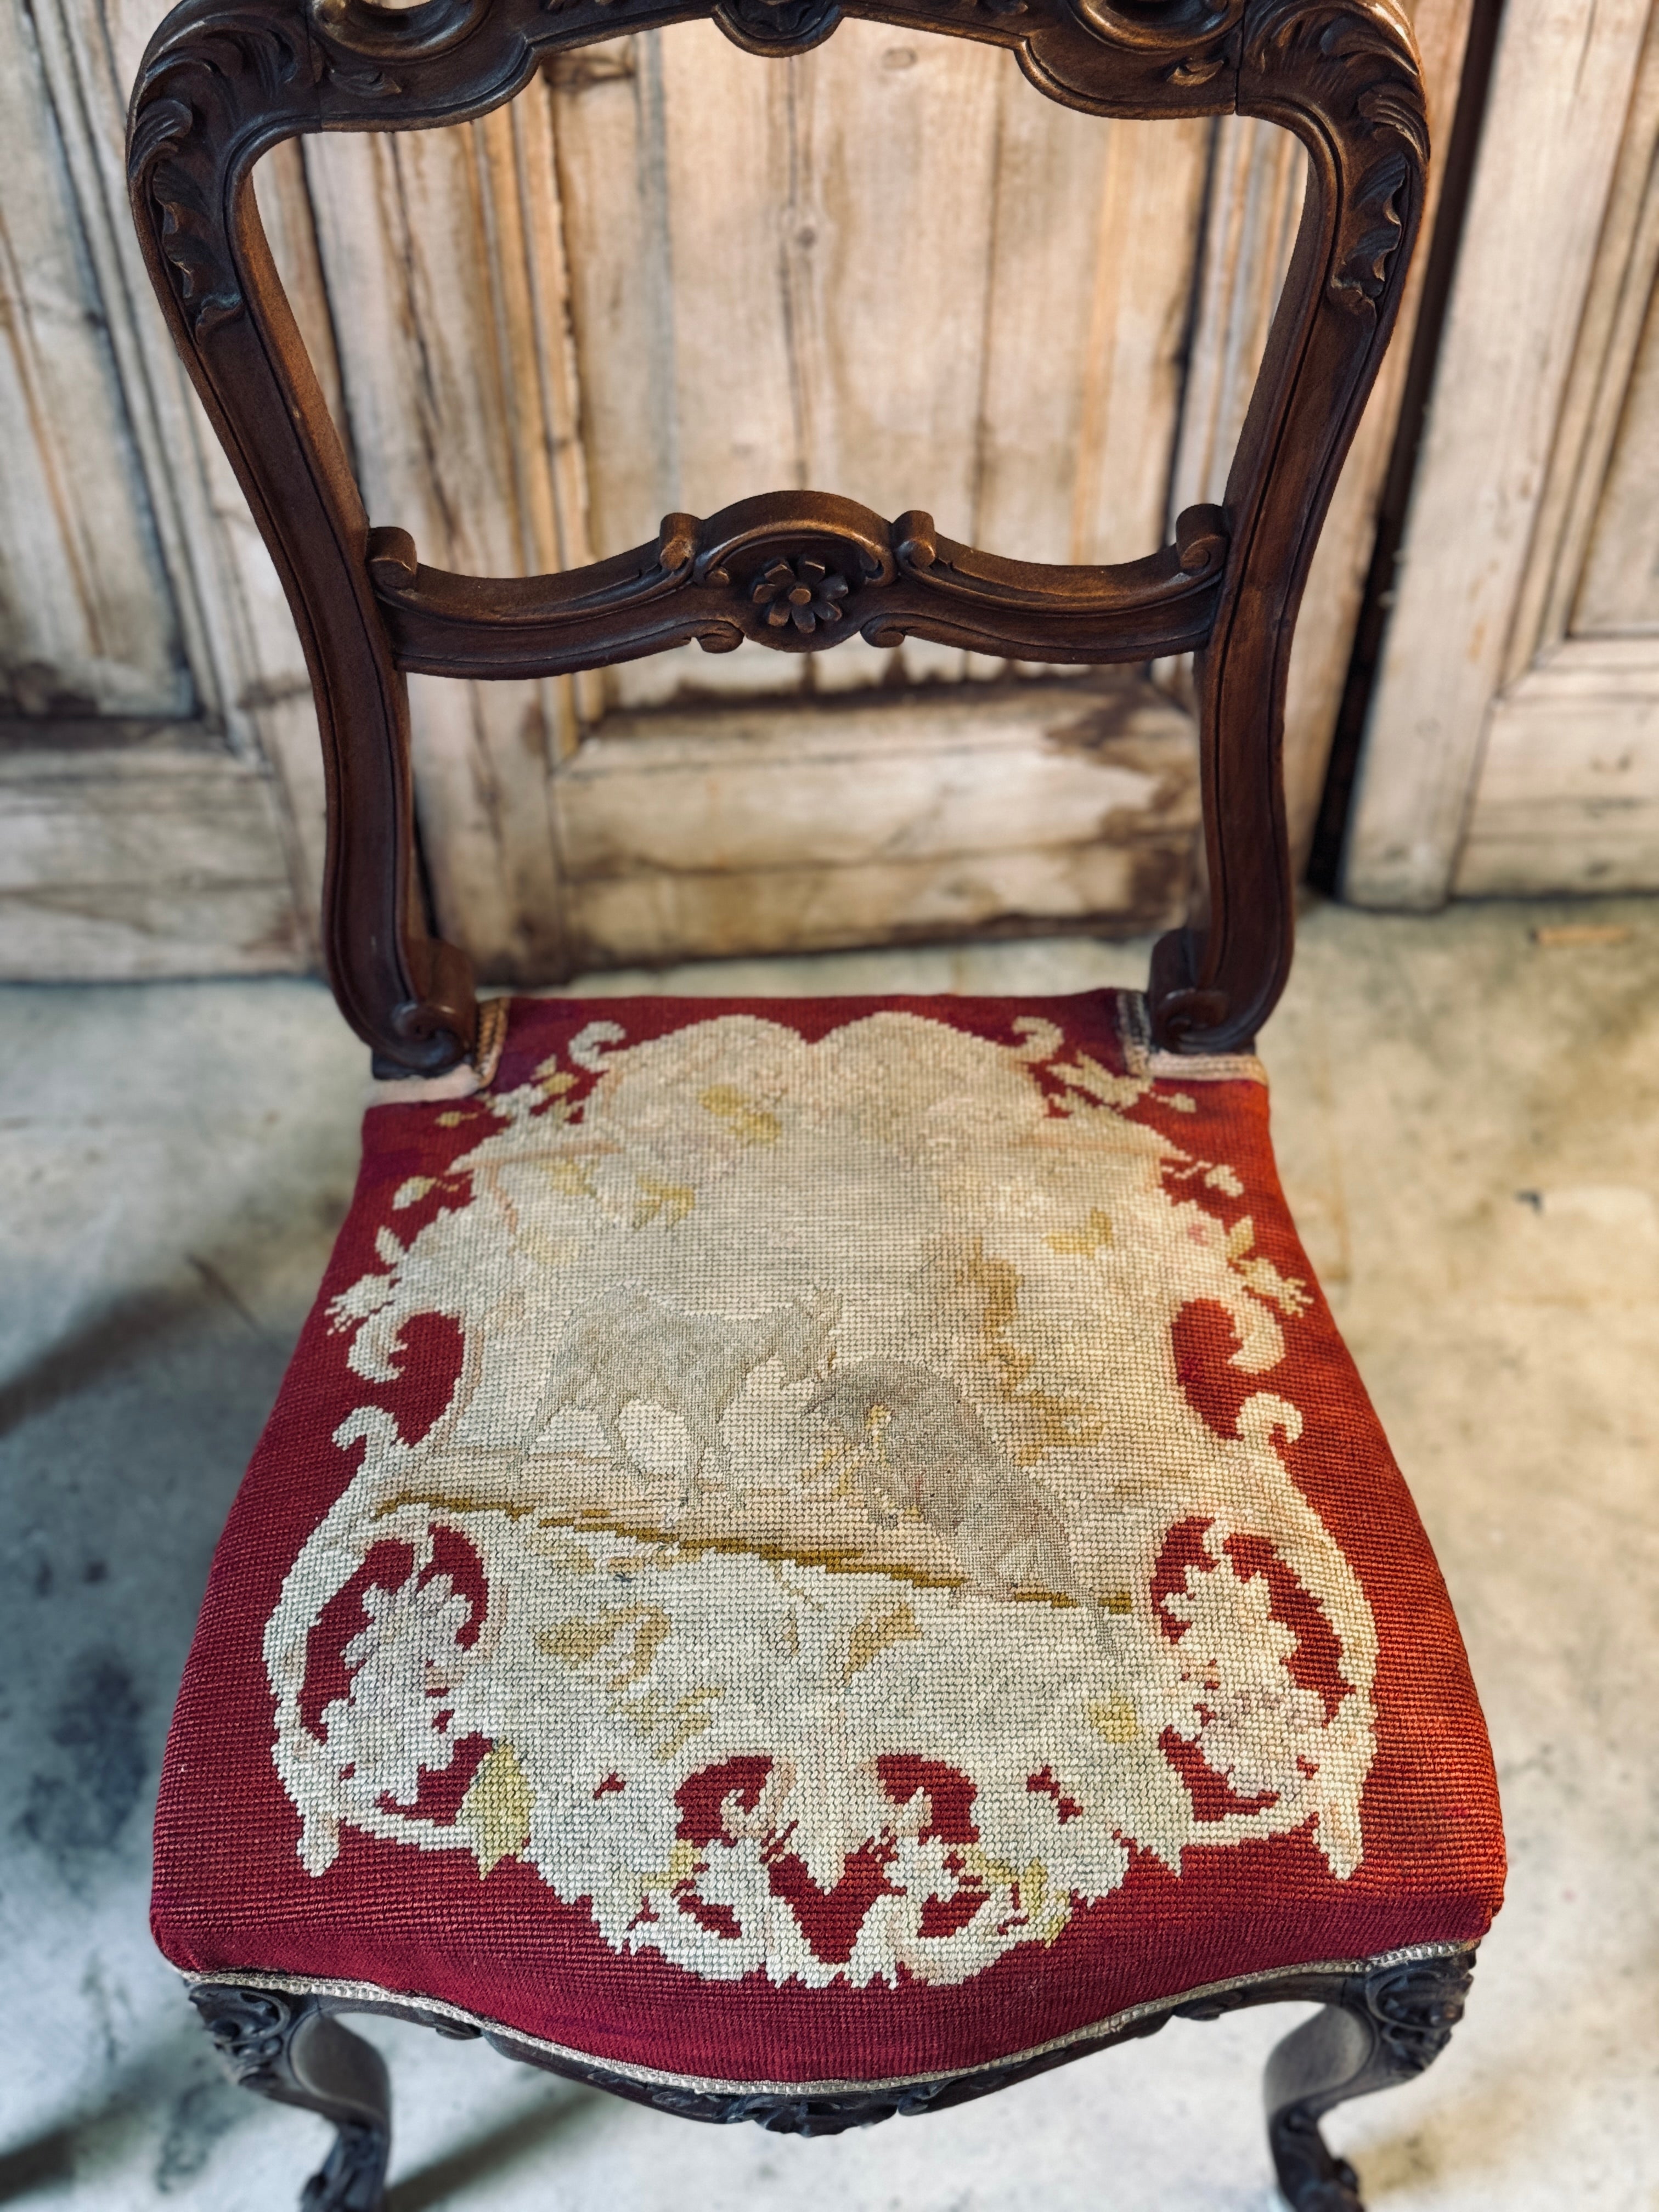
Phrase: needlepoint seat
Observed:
(814, 1547)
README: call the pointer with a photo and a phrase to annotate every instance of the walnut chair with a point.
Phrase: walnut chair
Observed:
(815, 1558)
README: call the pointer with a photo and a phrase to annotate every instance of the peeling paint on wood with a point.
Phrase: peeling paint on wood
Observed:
(945, 813)
(123, 862)
(645, 212)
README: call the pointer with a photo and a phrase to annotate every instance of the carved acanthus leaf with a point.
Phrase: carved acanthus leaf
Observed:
(1416, 2007)
(1356, 70)
(222, 76)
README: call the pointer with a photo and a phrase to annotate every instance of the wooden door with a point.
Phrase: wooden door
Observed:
(887, 268)
(1514, 741)
(149, 674)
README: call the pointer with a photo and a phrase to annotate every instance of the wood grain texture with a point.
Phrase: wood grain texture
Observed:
(1590, 571)
(87, 622)
(241, 668)
(1561, 94)
(125, 861)
(1083, 253)
(1568, 794)
(1034, 806)
(1566, 798)
(429, 238)
(798, 573)
(1336, 582)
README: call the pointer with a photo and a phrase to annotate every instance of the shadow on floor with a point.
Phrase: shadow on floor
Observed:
(34, 2164)
(488, 2153)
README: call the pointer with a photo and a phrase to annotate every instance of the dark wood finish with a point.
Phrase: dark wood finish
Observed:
(224, 80)
(1381, 2028)
(800, 572)
(293, 2049)
(1382, 2022)
(1344, 78)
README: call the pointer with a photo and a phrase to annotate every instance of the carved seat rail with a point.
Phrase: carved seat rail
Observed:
(224, 81)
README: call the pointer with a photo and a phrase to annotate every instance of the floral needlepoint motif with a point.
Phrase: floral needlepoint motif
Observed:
(830, 1537)
(804, 591)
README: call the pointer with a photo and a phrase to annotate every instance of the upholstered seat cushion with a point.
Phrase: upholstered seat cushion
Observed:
(818, 1542)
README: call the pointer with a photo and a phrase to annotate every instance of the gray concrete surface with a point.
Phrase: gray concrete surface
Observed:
(1467, 1122)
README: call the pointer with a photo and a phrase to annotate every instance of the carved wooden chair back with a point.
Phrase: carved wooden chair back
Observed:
(224, 81)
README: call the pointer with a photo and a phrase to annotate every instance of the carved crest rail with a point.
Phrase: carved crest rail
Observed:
(224, 81)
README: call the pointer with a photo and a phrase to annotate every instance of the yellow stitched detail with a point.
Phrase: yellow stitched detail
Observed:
(666, 1728)
(673, 1200)
(875, 1634)
(1112, 1719)
(751, 1124)
(496, 1808)
(1094, 1235)
(569, 1177)
(578, 1641)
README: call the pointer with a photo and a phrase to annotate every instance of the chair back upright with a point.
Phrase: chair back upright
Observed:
(224, 81)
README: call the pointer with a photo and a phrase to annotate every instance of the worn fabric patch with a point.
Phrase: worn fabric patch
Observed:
(787, 1512)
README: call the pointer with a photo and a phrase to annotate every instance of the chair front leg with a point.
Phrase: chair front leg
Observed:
(1378, 2029)
(287, 2047)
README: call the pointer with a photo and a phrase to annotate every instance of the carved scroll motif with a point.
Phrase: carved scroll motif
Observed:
(1415, 2007)
(1348, 83)
(203, 94)
(225, 80)
(799, 572)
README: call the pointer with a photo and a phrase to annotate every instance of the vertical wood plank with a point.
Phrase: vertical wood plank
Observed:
(1152, 188)
(228, 615)
(718, 122)
(1595, 565)
(1561, 90)
(423, 234)
(87, 619)
(582, 698)
(279, 186)
(1251, 198)
(1096, 228)
(1254, 199)
(889, 277)
(616, 292)
(1336, 583)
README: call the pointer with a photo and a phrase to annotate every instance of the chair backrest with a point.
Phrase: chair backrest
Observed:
(224, 80)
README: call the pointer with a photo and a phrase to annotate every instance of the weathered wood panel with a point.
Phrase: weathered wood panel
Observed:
(930, 813)
(158, 516)
(769, 289)
(428, 238)
(1556, 120)
(1604, 580)
(87, 623)
(1568, 794)
(671, 274)
(128, 860)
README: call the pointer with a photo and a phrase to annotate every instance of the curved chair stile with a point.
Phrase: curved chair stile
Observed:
(224, 80)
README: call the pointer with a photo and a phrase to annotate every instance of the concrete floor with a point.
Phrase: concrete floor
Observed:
(1466, 1123)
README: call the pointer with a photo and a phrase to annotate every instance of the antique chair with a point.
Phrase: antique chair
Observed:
(815, 1558)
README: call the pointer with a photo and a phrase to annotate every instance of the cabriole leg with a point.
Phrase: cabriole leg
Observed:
(288, 2048)
(1378, 2029)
